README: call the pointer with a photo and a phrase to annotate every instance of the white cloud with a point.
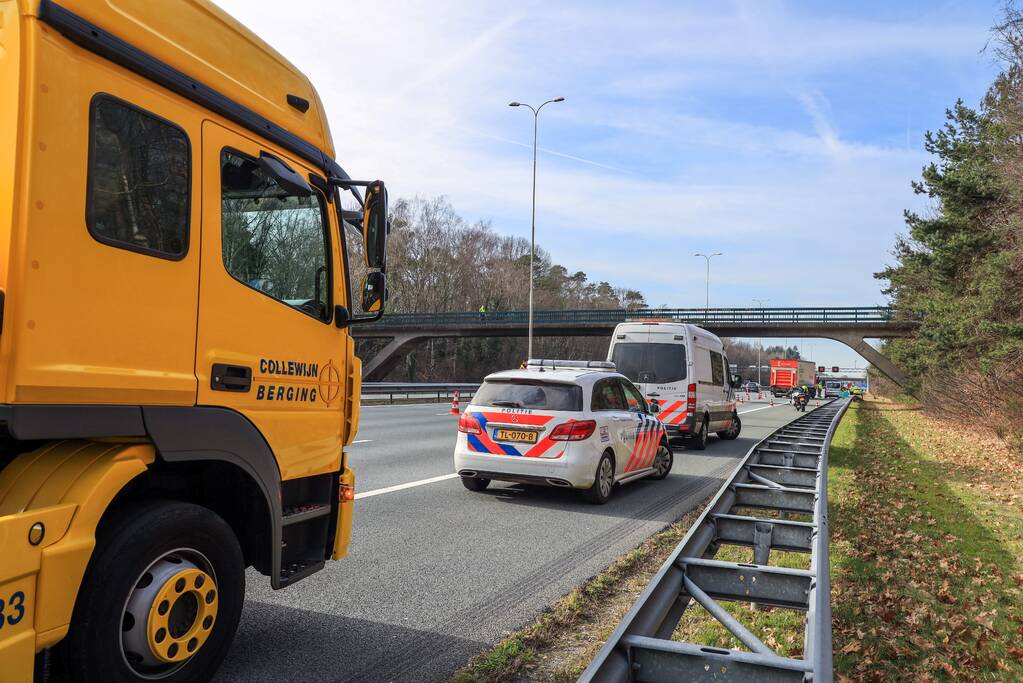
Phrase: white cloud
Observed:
(674, 137)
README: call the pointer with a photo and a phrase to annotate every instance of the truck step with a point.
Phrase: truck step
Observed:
(296, 571)
(303, 513)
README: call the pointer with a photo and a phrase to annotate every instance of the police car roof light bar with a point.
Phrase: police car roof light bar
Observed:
(588, 364)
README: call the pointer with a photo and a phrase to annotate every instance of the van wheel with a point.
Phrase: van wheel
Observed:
(663, 461)
(733, 431)
(161, 597)
(475, 483)
(603, 481)
(699, 442)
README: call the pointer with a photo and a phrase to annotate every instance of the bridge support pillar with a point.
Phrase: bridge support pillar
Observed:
(376, 368)
(859, 344)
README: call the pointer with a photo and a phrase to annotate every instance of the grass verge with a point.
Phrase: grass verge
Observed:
(927, 533)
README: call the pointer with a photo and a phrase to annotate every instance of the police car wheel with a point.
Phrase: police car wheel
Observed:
(160, 600)
(699, 442)
(475, 483)
(733, 431)
(662, 462)
(603, 481)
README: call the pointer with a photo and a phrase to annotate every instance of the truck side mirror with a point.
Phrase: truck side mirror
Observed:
(736, 381)
(374, 292)
(374, 226)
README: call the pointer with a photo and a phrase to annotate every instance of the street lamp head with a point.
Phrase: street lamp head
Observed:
(558, 99)
(514, 104)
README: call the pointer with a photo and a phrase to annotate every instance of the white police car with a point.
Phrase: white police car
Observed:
(573, 424)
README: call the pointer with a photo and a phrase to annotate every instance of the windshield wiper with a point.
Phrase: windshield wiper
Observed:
(506, 404)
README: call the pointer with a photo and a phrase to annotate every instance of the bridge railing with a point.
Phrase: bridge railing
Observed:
(848, 314)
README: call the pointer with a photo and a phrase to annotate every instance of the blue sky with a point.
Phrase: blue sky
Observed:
(784, 134)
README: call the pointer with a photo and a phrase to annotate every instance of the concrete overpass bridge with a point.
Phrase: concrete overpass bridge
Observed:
(850, 325)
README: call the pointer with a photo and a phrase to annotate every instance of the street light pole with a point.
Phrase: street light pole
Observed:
(760, 343)
(532, 236)
(708, 257)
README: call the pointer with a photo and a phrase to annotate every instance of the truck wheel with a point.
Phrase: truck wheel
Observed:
(603, 481)
(699, 442)
(733, 431)
(161, 597)
(475, 483)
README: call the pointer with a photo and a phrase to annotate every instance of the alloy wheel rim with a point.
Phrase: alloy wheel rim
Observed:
(662, 460)
(605, 477)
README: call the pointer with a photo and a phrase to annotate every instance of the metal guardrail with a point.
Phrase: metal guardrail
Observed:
(785, 472)
(850, 314)
(418, 389)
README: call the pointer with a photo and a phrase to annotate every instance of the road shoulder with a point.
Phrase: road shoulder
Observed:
(561, 641)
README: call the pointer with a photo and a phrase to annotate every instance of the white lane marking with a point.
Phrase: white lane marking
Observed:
(400, 487)
(753, 410)
(361, 441)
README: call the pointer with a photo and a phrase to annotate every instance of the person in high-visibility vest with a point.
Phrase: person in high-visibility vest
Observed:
(483, 313)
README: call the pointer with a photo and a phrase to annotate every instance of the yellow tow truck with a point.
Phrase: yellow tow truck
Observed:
(177, 377)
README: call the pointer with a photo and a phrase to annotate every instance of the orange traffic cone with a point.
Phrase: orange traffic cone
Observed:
(772, 401)
(454, 404)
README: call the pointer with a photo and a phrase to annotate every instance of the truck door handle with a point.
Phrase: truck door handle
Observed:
(226, 377)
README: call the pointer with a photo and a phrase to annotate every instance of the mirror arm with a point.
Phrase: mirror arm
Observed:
(353, 217)
(363, 319)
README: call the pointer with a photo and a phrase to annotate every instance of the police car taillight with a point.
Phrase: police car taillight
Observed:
(574, 431)
(468, 424)
(691, 398)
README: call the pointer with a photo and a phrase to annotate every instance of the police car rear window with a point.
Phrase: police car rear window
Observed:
(529, 394)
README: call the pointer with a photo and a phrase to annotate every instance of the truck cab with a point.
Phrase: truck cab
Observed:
(182, 258)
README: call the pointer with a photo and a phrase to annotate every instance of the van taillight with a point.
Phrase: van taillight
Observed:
(574, 431)
(691, 398)
(468, 424)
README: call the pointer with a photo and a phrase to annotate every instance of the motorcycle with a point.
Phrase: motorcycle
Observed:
(800, 401)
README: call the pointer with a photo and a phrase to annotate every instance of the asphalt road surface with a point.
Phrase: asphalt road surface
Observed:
(435, 573)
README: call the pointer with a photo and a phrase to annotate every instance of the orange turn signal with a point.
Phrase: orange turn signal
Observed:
(346, 493)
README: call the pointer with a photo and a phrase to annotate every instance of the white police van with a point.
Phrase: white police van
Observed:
(573, 424)
(683, 368)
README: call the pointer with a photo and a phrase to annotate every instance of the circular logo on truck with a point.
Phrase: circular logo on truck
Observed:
(329, 383)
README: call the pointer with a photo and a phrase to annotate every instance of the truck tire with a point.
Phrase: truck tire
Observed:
(161, 598)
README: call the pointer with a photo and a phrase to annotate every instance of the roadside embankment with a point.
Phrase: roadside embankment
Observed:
(926, 546)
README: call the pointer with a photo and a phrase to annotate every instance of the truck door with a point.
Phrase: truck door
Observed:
(266, 344)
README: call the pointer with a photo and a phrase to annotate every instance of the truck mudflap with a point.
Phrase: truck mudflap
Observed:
(51, 500)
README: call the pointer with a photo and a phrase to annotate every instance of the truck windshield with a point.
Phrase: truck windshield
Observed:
(645, 363)
(529, 394)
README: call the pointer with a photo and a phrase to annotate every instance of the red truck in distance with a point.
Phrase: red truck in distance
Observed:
(789, 374)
